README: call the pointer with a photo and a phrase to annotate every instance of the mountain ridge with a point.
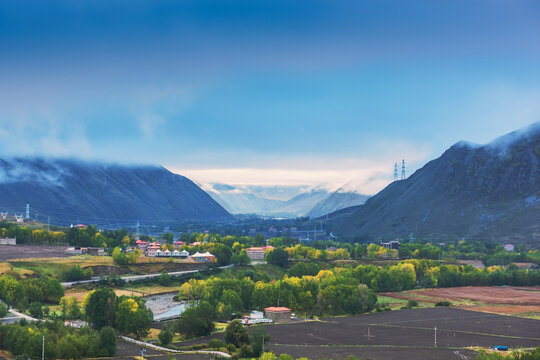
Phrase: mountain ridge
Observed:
(69, 190)
(483, 191)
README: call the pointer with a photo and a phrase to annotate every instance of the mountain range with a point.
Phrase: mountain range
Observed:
(70, 191)
(485, 192)
(284, 201)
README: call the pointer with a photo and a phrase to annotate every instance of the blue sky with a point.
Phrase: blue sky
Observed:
(266, 92)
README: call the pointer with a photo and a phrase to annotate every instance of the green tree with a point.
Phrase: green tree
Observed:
(35, 310)
(197, 321)
(3, 309)
(236, 334)
(101, 307)
(258, 337)
(164, 279)
(168, 237)
(166, 335)
(278, 257)
(107, 341)
(133, 317)
(119, 257)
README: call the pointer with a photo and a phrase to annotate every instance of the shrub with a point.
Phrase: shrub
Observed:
(412, 303)
(166, 335)
(216, 344)
(164, 279)
(443, 303)
(231, 348)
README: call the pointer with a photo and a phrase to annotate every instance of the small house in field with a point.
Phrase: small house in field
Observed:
(96, 251)
(8, 241)
(142, 245)
(278, 314)
(508, 247)
(255, 253)
(203, 257)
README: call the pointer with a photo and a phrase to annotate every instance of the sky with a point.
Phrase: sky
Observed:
(266, 92)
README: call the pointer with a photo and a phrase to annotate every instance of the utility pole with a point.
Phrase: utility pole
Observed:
(43, 349)
(48, 223)
(435, 336)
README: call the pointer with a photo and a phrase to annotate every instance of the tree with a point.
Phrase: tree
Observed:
(107, 341)
(166, 335)
(164, 279)
(258, 338)
(168, 237)
(35, 310)
(236, 334)
(241, 259)
(278, 257)
(197, 321)
(119, 257)
(101, 307)
(3, 309)
(133, 317)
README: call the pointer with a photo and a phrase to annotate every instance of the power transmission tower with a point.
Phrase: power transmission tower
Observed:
(138, 226)
(27, 211)
(48, 223)
(395, 172)
(4, 215)
(403, 169)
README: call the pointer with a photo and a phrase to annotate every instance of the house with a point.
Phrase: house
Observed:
(196, 243)
(178, 243)
(166, 253)
(152, 248)
(184, 254)
(255, 253)
(278, 314)
(74, 250)
(175, 253)
(394, 245)
(142, 245)
(508, 247)
(203, 257)
(8, 241)
(157, 252)
(96, 251)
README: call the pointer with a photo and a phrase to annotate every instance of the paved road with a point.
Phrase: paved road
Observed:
(129, 278)
(161, 348)
(16, 317)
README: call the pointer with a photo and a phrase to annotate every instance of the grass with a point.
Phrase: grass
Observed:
(150, 289)
(7, 268)
(55, 266)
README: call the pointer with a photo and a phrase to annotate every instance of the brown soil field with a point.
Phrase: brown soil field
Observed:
(489, 294)
(400, 334)
(508, 300)
(31, 251)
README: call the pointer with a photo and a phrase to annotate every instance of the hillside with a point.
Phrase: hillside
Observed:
(72, 191)
(483, 192)
(345, 196)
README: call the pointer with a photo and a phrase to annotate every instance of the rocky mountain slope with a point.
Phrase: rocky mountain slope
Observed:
(72, 191)
(344, 197)
(482, 192)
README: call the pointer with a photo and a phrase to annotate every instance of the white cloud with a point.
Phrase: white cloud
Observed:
(370, 175)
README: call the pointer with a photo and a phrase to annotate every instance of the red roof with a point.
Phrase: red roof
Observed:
(255, 249)
(277, 309)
